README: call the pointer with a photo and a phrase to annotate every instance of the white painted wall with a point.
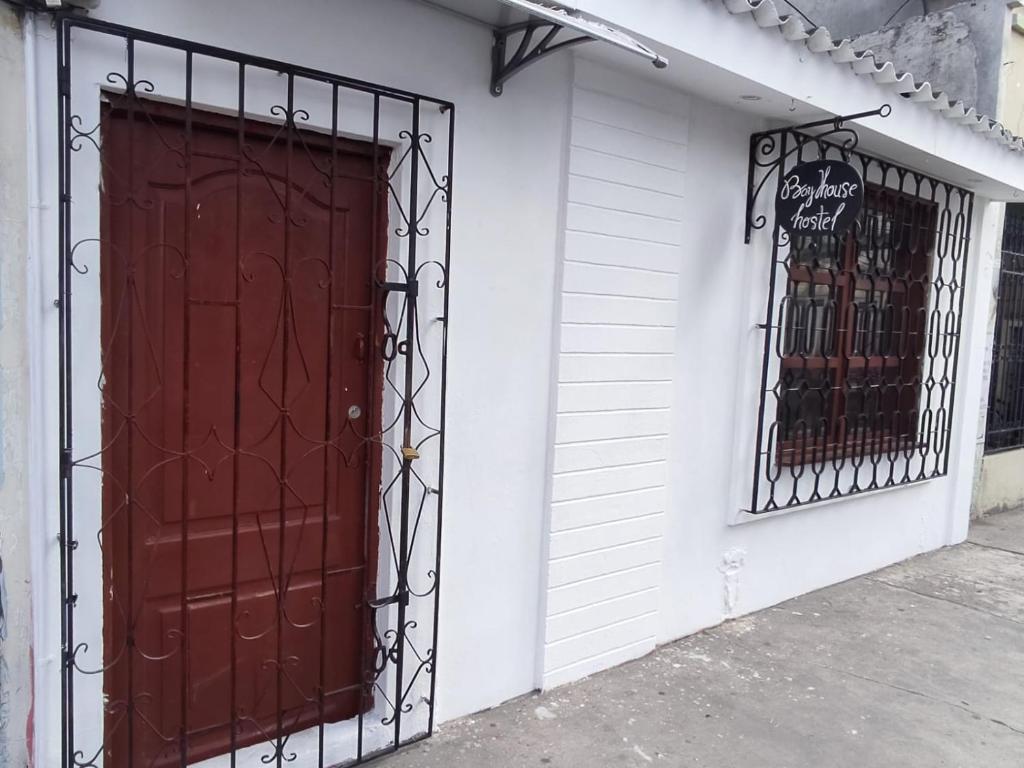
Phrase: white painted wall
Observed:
(722, 55)
(712, 568)
(623, 231)
(611, 551)
(507, 178)
(15, 566)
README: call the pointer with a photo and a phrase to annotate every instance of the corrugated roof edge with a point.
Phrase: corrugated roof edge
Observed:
(819, 40)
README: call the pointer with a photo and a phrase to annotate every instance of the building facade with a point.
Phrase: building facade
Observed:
(343, 397)
(976, 51)
(1000, 483)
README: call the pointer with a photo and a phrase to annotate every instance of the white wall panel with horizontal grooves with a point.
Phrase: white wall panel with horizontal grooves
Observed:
(624, 213)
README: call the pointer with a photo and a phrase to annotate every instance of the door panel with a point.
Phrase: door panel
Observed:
(240, 483)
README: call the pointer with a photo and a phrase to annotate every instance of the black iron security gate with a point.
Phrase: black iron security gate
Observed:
(1004, 428)
(304, 637)
(861, 334)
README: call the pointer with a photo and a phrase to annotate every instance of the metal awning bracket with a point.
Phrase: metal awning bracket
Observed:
(550, 28)
(503, 66)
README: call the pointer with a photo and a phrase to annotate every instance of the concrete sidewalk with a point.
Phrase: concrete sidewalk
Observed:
(918, 665)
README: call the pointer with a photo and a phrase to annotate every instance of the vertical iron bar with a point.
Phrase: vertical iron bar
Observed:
(130, 501)
(947, 257)
(407, 407)
(769, 315)
(186, 416)
(64, 363)
(237, 415)
(964, 247)
(371, 495)
(444, 392)
(286, 288)
(328, 389)
(925, 342)
(868, 396)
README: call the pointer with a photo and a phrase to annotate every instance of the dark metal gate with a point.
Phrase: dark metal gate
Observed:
(406, 140)
(1004, 428)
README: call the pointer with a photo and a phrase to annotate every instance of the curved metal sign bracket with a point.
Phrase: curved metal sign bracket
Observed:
(765, 158)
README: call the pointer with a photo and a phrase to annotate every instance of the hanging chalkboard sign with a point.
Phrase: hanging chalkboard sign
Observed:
(820, 197)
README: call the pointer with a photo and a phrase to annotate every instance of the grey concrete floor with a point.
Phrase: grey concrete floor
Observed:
(915, 666)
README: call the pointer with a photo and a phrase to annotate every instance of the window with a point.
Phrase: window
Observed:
(854, 333)
(861, 331)
(1005, 425)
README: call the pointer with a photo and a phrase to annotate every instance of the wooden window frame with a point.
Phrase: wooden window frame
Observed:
(838, 440)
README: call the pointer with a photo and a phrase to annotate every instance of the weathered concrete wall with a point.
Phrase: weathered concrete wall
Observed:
(1001, 487)
(938, 48)
(978, 506)
(1012, 104)
(15, 601)
(849, 19)
(957, 47)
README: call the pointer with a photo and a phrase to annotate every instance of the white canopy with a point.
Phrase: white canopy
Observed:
(566, 15)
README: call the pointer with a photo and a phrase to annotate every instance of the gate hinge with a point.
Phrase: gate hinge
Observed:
(64, 81)
(410, 287)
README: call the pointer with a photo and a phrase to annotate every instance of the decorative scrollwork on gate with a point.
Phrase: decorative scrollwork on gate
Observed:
(253, 338)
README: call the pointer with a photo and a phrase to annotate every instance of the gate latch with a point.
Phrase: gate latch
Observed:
(401, 597)
(409, 453)
(411, 287)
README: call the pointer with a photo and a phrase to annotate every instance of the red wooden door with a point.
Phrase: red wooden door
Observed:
(239, 479)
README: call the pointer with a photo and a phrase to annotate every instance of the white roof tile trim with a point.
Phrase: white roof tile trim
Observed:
(884, 73)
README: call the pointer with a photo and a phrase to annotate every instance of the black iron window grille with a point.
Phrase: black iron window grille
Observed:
(861, 332)
(1005, 425)
(253, 272)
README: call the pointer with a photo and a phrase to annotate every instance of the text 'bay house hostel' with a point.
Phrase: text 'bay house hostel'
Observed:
(664, 344)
